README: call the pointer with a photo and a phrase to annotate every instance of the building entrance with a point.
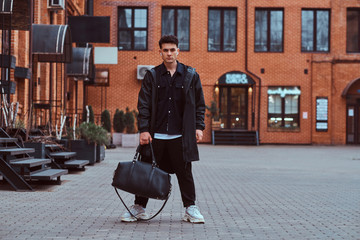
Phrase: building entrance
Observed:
(233, 107)
(353, 124)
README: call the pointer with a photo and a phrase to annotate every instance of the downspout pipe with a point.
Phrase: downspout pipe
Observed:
(247, 70)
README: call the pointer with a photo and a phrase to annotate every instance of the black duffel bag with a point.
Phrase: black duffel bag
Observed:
(142, 179)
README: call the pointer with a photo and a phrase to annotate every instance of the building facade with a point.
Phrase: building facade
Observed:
(286, 70)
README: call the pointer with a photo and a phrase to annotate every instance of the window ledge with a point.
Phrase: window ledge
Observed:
(269, 129)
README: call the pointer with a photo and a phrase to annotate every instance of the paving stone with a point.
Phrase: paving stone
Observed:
(244, 192)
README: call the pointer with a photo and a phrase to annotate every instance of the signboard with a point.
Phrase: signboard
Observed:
(106, 55)
(322, 107)
(236, 77)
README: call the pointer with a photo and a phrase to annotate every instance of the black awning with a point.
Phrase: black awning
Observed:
(7, 61)
(52, 43)
(6, 6)
(18, 12)
(82, 60)
(235, 78)
(21, 72)
(90, 29)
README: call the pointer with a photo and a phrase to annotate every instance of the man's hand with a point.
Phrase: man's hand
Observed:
(144, 138)
(199, 135)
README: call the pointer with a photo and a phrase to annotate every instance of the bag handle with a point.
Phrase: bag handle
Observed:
(143, 219)
(137, 154)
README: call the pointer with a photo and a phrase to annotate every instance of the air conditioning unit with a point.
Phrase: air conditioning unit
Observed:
(141, 70)
(56, 4)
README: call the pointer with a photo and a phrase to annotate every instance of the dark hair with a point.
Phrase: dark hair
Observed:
(168, 39)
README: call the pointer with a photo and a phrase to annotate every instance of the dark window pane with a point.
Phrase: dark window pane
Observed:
(140, 40)
(307, 30)
(276, 35)
(140, 18)
(214, 30)
(183, 28)
(229, 30)
(352, 34)
(167, 22)
(322, 31)
(125, 18)
(124, 40)
(261, 30)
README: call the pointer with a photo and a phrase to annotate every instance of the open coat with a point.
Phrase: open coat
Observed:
(194, 109)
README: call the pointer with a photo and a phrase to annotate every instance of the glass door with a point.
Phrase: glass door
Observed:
(234, 107)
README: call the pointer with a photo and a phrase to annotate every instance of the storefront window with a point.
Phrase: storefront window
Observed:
(283, 107)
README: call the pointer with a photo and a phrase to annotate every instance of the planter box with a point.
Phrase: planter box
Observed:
(117, 139)
(100, 153)
(84, 150)
(39, 149)
(130, 140)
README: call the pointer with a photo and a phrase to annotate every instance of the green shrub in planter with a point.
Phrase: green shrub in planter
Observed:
(93, 133)
(105, 120)
(129, 121)
(119, 121)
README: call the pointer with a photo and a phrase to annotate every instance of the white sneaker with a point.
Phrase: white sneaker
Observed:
(137, 210)
(193, 215)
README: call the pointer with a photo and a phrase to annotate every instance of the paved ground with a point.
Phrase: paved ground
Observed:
(265, 192)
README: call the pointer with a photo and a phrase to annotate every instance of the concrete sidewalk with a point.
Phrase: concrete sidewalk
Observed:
(264, 192)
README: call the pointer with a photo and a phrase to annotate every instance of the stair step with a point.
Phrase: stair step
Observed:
(54, 146)
(62, 155)
(16, 151)
(8, 140)
(75, 163)
(31, 162)
(49, 174)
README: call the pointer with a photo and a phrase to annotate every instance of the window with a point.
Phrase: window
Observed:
(353, 31)
(269, 30)
(315, 30)
(176, 21)
(283, 107)
(222, 29)
(133, 30)
(101, 77)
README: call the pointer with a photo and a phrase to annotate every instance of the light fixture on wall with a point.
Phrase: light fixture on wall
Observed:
(250, 90)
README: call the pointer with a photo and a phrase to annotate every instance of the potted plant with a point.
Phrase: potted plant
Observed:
(119, 126)
(89, 136)
(106, 124)
(214, 114)
(131, 138)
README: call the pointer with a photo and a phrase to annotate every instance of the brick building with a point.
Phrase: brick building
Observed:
(279, 71)
(286, 70)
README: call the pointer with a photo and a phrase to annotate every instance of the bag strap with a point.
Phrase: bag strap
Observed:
(137, 155)
(143, 219)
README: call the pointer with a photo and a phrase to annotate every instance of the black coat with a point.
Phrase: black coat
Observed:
(194, 109)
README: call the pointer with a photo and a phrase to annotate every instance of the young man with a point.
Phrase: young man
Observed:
(171, 115)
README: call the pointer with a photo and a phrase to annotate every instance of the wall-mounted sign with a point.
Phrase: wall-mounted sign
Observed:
(236, 77)
(283, 91)
(322, 105)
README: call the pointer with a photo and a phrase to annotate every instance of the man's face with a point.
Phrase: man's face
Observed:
(169, 52)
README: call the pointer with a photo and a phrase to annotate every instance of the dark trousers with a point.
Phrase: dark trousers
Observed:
(169, 157)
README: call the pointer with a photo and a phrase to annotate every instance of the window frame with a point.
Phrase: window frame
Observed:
(283, 114)
(347, 10)
(315, 10)
(176, 8)
(222, 9)
(133, 28)
(268, 43)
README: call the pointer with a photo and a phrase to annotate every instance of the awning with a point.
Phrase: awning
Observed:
(18, 12)
(6, 6)
(52, 43)
(7, 61)
(82, 60)
(235, 78)
(21, 72)
(351, 88)
(90, 29)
